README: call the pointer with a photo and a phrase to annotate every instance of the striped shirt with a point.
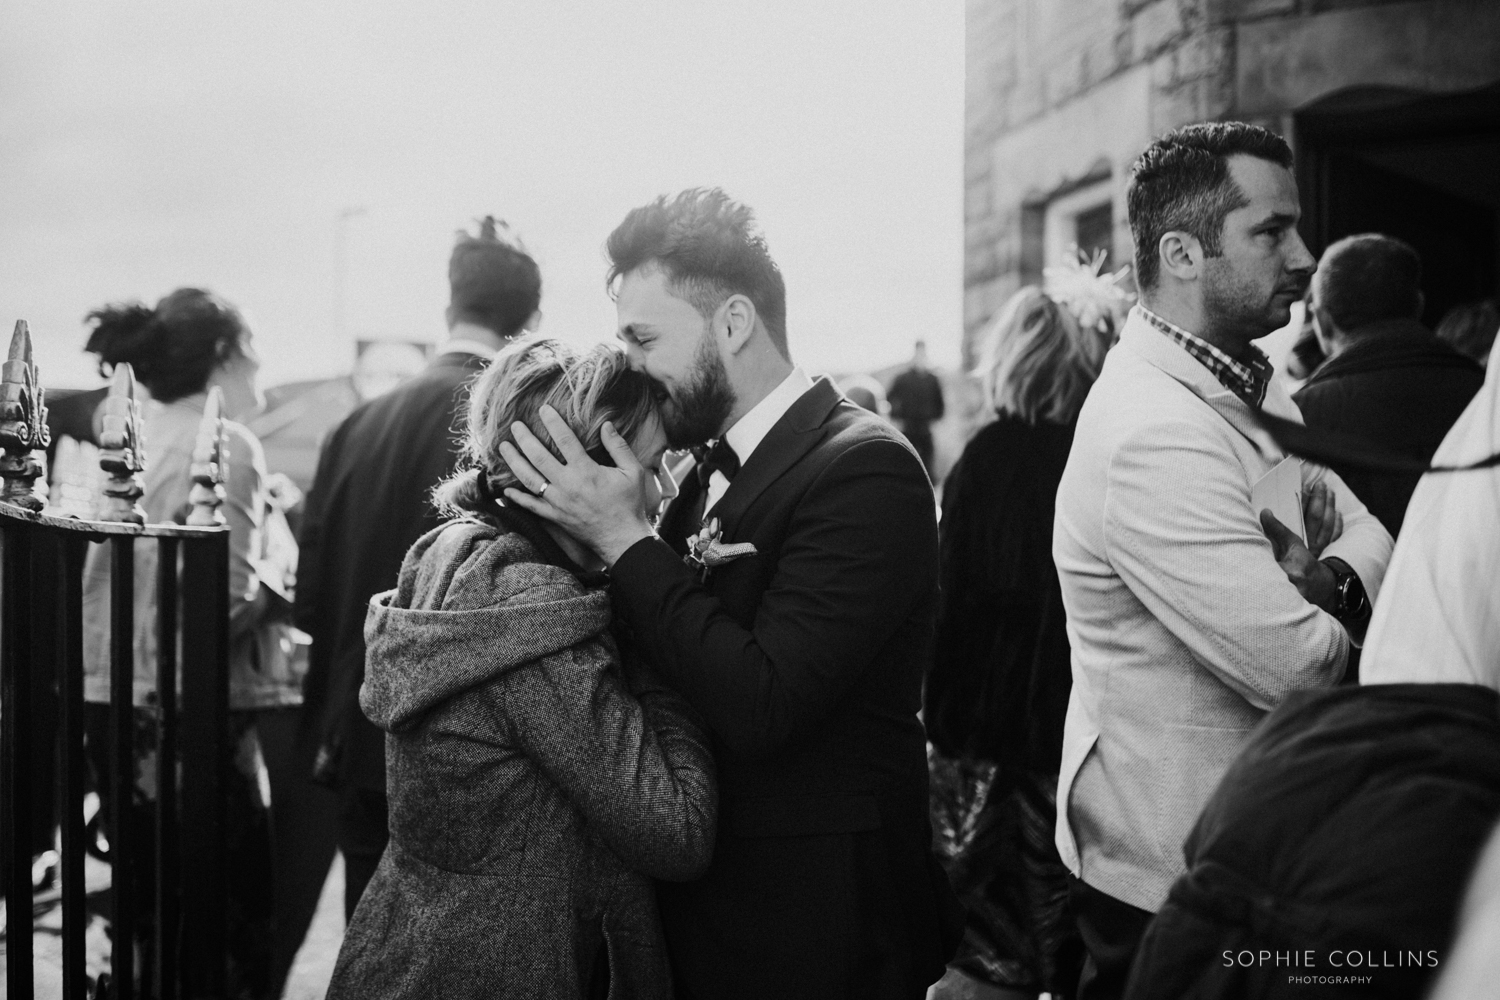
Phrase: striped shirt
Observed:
(1247, 380)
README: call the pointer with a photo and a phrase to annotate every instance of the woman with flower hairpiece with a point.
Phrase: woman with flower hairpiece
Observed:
(539, 776)
(998, 688)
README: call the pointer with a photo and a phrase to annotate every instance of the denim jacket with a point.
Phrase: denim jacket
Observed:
(265, 670)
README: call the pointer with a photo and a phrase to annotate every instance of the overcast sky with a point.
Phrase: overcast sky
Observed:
(148, 144)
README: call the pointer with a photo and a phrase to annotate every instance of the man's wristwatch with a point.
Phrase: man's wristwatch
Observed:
(1349, 601)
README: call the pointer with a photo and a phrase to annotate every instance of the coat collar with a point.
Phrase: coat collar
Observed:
(792, 437)
(1382, 346)
(1154, 347)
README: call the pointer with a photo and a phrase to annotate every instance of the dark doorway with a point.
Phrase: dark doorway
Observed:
(1421, 168)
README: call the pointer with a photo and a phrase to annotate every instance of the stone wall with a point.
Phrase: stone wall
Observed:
(1065, 93)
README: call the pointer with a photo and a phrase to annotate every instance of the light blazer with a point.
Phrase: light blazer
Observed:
(1185, 631)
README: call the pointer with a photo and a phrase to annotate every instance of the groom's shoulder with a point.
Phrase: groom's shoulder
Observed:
(856, 438)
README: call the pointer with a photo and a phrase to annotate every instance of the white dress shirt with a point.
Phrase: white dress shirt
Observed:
(1438, 616)
(468, 338)
(751, 429)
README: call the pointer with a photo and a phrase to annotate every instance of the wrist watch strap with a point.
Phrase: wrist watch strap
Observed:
(1351, 602)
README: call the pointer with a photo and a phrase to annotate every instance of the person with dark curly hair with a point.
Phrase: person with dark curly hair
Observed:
(188, 343)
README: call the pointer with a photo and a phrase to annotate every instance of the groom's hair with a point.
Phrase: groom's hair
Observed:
(710, 248)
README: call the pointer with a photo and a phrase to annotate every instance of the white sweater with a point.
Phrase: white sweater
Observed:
(1185, 631)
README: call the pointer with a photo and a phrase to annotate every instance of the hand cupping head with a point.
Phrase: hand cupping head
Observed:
(586, 388)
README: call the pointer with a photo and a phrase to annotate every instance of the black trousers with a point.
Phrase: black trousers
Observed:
(363, 834)
(1111, 932)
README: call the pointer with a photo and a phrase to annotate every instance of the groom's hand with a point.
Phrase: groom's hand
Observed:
(602, 507)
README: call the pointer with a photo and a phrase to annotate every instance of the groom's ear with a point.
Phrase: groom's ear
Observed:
(736, 322)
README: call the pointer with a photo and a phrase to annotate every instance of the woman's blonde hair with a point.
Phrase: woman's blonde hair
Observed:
(586, 388)
(1037, 361)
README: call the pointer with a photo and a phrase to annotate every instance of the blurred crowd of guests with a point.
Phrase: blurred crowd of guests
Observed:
(1113, 616)
(1232, 796)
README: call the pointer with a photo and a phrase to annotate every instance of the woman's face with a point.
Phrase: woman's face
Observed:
(650, 445)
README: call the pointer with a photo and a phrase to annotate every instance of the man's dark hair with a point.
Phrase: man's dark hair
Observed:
(1182, 183)
(494, 282)
(710, 248)
(1368, 278)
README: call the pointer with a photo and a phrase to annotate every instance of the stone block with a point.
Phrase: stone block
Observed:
(1206, 53)
(1066, 77)
(1026, 101)
(1219, 12)
(1205, 99)
(1154, 27)
(976, 201)
(1436, 46)
(1101, 61)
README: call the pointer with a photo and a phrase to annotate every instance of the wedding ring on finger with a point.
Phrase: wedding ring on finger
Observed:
(542, 488)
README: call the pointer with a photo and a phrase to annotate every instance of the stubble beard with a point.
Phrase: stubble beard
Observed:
(1237, 310)
(695, 415)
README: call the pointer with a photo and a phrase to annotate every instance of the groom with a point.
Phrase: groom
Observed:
(805, 657)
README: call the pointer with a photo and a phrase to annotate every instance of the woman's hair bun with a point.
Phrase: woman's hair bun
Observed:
(173, 348)
(122, 334)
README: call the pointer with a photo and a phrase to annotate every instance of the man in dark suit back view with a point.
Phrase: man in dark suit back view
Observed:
(1388, 378)
(805, 655)
(370, 501)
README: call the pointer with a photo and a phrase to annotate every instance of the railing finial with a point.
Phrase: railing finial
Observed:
(209, 454)
(23, 422)
(121, 450)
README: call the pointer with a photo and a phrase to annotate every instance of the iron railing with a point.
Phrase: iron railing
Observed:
(42, 642)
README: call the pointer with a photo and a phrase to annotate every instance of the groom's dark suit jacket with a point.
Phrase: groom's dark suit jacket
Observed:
(806, 659)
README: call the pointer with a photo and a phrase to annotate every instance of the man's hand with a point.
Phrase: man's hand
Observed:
(1321, 518)
(1313, 580)
(603, 508)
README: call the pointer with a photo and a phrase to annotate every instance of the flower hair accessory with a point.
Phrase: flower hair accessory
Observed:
(1096, 299)
(707, 549)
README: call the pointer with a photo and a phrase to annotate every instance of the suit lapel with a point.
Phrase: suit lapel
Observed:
(793, 436)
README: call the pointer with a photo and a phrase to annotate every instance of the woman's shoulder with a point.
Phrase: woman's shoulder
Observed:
(471, 562)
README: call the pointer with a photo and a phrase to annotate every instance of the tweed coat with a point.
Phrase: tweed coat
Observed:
(535, 787)
(1184, 630)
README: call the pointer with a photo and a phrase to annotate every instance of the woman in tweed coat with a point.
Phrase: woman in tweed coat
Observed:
(538, 779)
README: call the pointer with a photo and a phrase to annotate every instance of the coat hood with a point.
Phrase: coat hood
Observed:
(473, 601)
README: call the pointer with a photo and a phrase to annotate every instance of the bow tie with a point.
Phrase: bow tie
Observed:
(719, 458)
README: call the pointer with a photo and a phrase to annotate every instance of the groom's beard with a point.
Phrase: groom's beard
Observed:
(703, 403)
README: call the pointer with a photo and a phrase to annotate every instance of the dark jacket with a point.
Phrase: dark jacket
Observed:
(1400, 387)
(535, 787)
(1348, 825)
(916, 397)
(806, 661)
(1001, 671)
(369, 502)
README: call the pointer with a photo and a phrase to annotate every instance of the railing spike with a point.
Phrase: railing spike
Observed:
(122, 450)
(23, 422)
(20, 343)
(209, 454)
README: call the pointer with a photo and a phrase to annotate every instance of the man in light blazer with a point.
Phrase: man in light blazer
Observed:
(1191, 613)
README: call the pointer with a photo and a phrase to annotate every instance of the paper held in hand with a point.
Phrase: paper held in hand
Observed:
(1280, 492)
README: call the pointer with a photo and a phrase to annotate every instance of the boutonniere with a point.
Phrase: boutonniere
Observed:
(708, 550)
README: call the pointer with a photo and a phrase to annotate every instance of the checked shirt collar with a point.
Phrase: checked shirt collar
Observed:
(1246, 380)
